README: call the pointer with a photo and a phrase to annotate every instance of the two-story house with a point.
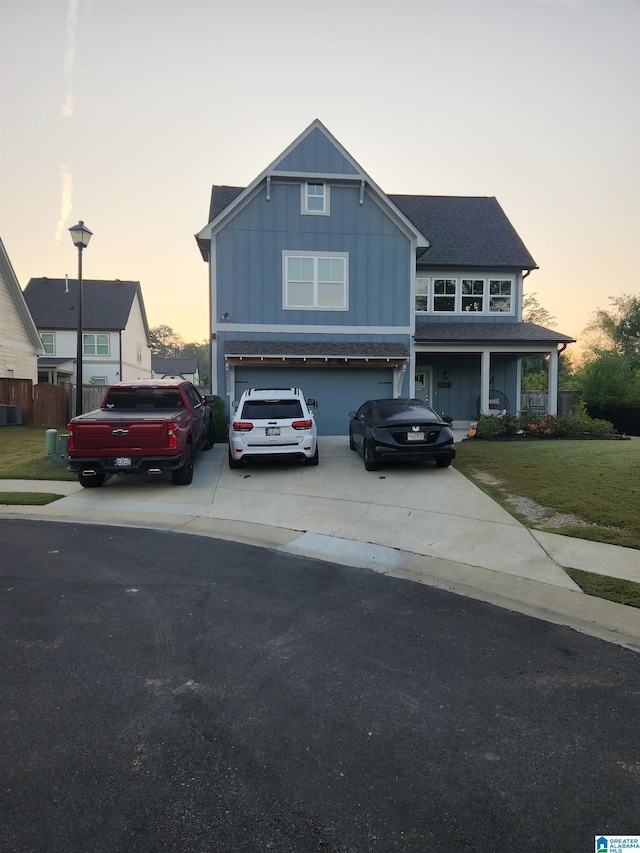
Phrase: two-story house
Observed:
(320, 280)
(20, 342)
(116, 342)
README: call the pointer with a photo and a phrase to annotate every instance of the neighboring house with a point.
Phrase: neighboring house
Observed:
(320, 280)
(175, 368)
(116, 342)
(20, 342)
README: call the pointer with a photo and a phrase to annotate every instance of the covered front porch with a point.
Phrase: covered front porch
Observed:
(465, 378)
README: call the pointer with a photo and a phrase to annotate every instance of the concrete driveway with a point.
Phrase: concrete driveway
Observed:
(422, 523)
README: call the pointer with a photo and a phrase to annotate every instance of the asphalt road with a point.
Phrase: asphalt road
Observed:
(165, 692)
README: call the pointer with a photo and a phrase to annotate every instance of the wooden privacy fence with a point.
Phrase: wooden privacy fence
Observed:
(42, 405)
(18, 392)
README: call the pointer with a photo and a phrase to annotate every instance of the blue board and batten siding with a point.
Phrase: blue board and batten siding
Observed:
(248, 252)
(315, 153)
(249, 288)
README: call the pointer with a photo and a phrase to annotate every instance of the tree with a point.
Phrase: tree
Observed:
(533, 312)
(535, 368)
(608, 379)
(619, 329)
(165, 342)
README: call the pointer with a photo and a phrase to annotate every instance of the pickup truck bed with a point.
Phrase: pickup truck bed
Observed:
(145, 427)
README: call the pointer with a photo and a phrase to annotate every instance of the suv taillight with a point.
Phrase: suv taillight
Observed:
(302, 424)
(242, 426)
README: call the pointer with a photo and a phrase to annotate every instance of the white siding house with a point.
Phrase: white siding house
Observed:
(116, 343)
(20, 342)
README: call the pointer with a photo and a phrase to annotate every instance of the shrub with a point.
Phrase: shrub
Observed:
(220, 419)
(576, 425)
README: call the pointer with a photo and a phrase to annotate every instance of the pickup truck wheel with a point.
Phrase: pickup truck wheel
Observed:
(235, 463)
(91, 481)
(184, 475)
(209, 440)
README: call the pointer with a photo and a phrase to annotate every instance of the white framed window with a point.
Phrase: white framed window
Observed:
(315, 281)
(10, 371)
(315, 198)
(94, 344)
(445, 292)
(422, 293)
(500, 293)
(49, 342)
(139, 353)
(98, 380)
(460, 296)
(472, 294)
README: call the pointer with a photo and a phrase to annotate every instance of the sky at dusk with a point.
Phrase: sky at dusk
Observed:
(123, 113)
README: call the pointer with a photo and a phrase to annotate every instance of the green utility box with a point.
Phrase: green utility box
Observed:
(60, 456)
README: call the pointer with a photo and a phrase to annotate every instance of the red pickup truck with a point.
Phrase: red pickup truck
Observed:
(147, 426)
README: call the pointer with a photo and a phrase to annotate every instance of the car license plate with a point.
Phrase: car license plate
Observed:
(273, 430)
(122, 461)
(415, 436)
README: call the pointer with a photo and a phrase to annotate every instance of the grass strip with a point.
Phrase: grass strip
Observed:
(602, 586)
(28, 498)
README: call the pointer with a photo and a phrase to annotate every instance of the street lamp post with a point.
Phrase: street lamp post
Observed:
(80, 235)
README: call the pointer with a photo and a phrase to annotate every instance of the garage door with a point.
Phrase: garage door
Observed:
(338, 390)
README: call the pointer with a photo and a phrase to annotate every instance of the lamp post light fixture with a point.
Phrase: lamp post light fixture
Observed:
(80, 235)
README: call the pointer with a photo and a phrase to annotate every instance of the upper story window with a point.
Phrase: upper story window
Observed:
(457, 296)
(139, 353)
(500, 294)
(445, 292)
(422, 294)
(96, 344)
(315, 198)
(49, 342)
(472, 294)
(315, 281)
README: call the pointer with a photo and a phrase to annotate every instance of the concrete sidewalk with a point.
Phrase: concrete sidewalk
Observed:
(429, 525)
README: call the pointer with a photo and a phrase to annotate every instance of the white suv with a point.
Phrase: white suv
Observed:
(273, 422)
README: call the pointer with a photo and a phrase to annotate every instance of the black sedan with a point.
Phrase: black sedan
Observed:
(400, 429)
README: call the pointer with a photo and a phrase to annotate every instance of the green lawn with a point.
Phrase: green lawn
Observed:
(23, 456)
(597, 481)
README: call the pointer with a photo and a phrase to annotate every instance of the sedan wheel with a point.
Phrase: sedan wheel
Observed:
(370, 461)
(443, 462)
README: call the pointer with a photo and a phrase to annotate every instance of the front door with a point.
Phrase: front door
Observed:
(424, 382)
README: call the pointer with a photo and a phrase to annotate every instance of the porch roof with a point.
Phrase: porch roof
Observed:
(427, 332)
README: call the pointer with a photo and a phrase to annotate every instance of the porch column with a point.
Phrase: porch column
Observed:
(552, 404)
(485, 375)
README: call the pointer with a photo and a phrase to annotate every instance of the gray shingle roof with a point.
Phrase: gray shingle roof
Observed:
(486, 332)
(333, 349)
(173, 366)
(464, 231)
(222, 197)
(105, 304)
